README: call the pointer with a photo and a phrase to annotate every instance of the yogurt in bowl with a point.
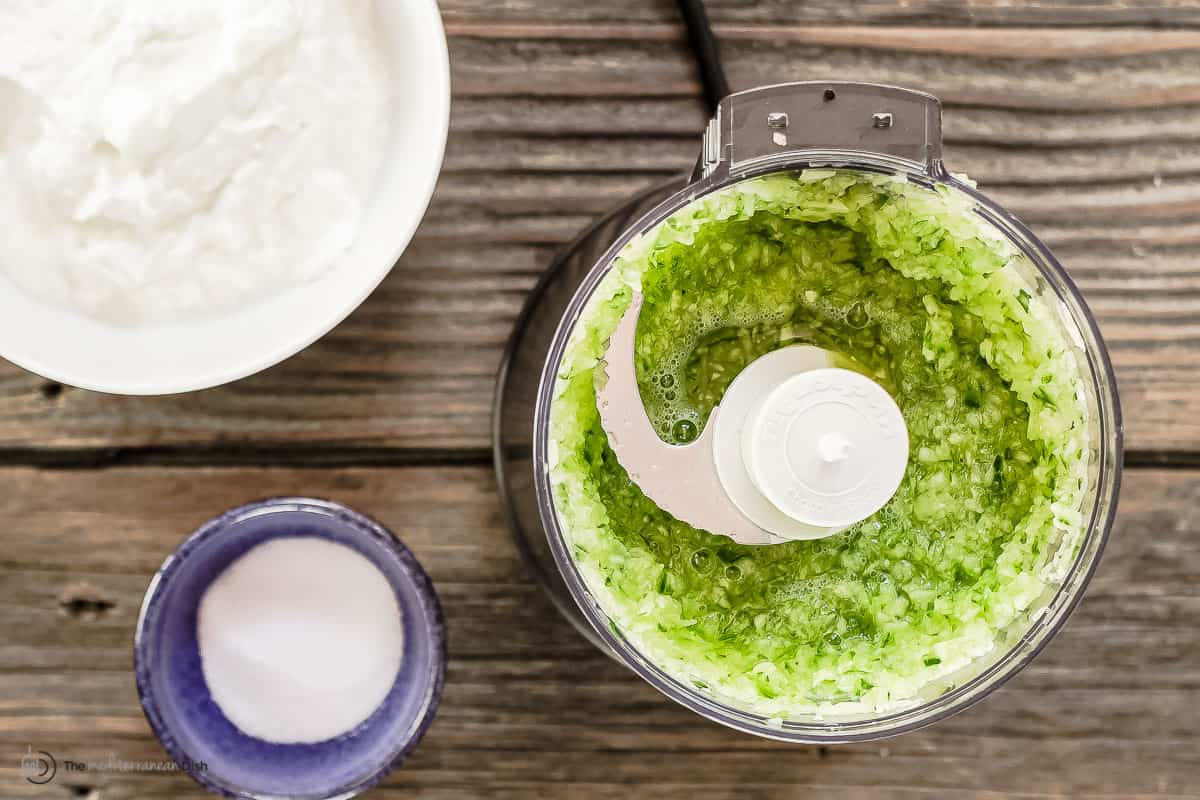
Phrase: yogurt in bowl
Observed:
(210, 188)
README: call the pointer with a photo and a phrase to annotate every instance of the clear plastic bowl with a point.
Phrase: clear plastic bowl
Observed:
(525, 481)
(860, 127)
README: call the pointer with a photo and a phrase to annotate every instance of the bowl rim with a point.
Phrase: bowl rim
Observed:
(422, 583)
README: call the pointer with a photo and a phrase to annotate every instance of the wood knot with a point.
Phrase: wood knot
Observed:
(84, 601)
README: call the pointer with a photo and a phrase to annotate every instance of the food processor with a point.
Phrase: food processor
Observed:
(856, 128)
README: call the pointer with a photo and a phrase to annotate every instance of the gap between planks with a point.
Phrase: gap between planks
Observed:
(347, 457)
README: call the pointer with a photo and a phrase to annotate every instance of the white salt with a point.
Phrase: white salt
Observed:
(300, 639)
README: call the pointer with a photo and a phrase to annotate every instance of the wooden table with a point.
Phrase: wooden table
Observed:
(1081, 115)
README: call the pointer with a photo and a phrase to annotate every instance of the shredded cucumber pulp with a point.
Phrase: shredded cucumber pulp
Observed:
(913, 289)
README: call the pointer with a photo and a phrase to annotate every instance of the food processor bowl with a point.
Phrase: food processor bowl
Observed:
(864, 128)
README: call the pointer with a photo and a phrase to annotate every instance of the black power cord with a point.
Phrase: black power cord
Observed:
(708, 57)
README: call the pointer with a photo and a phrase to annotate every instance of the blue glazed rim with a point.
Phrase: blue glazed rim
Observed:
(152, 605)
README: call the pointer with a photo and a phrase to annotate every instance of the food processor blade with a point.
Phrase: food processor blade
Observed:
(797, 449)
(680, 479)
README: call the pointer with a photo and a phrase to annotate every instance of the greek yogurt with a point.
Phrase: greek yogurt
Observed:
(163, 161)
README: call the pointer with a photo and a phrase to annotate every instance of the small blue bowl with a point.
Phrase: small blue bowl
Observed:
(192, 728)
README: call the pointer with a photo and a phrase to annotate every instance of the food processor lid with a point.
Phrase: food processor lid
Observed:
(788, 122)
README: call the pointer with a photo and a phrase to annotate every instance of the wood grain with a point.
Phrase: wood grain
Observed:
(1015, 43)
(413, 368)
(531, 710)
(1090, 131)
(566, 67)
(1065, 13)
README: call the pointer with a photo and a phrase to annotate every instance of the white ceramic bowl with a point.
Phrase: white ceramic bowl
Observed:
(168, 358)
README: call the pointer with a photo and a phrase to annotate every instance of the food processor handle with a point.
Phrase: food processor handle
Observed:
(823, 123)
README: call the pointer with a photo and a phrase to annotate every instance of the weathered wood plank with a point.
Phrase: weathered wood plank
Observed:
(637, 68)
(98, 535)
(623, 163)
(1011, 43)
(1153, 13)
(531, 710)
(1113, 187)
(414, 366)
(650, 118)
